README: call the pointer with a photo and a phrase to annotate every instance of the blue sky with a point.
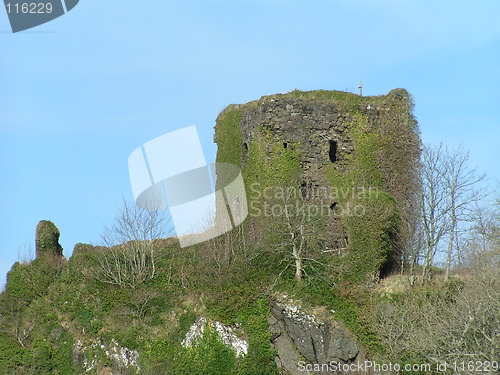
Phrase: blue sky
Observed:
(79, 94)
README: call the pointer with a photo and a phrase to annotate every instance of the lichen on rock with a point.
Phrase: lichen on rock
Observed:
(225, 333)
(314, 336)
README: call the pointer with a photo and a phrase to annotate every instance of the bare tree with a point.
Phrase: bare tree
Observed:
(482, 236)
(449, 191)
(412, 248)
(460, 181)
(131, 243)
(295, 225)
(433, 203)
(25, 253)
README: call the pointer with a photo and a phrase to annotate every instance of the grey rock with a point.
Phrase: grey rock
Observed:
(318, 339)
(342, 347)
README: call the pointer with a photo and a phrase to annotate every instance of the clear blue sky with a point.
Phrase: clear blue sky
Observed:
(79, 94)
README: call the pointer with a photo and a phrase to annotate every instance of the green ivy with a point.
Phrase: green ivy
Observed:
(229, 138)
(261, 354)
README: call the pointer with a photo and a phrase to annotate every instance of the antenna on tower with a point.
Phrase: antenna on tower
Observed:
(360, 87)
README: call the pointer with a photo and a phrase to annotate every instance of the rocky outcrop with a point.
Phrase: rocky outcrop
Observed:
(123, 360)
(47, 239)
(228, 335)
(309, 341)
(304, 341)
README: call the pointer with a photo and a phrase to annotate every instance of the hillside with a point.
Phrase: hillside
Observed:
(315, 275)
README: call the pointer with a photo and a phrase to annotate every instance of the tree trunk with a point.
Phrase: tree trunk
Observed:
(450, 246)
(298, 263)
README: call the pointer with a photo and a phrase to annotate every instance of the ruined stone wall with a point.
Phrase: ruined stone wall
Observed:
(47, 240)
(314, 122)
(312, 125)
(342, 141)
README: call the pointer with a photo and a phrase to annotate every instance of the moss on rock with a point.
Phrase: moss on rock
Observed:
(47, 239)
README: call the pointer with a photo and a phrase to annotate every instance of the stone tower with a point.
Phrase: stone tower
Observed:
(343, 143)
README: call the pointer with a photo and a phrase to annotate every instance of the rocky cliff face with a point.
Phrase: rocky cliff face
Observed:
(310, 342)
(306, 342)
(228, 335)
(120, 360)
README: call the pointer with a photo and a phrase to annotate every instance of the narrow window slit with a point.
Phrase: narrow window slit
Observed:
(332, 153)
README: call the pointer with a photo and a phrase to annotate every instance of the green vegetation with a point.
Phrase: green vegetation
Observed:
(371, 236)
(229, 136)
(370, 212)
(60, 317)
(38, 331)
(270, 164)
